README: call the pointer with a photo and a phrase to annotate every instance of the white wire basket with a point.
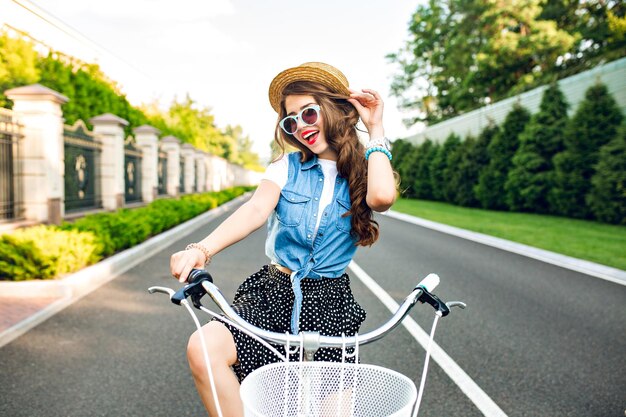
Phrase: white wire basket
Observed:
(325, 389)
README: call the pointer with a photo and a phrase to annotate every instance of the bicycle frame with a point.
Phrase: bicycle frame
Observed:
(201, 283)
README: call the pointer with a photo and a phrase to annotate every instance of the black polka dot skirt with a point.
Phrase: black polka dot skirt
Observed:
(265, 299)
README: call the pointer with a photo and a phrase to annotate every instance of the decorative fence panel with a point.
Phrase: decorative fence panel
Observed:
(11, 205)
(82, 168)
(132, 172)
(181, 178)
(162, 174)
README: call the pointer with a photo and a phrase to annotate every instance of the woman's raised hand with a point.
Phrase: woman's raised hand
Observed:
(370, 106)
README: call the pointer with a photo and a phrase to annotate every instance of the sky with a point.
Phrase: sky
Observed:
(224, 53)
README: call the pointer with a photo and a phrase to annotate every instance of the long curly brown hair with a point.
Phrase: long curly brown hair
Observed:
(340, 119)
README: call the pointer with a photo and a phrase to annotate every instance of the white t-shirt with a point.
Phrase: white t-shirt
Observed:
(278, 172)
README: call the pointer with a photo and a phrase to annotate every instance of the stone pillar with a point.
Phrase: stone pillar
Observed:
(200, 171)
(218, 173)
(42, 151)
(230, 176)
(109, 129)
(209, 172)
(188, 153)
(147, 140)
(171, 146)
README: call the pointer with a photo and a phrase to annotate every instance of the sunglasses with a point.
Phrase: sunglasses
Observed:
(309, 116)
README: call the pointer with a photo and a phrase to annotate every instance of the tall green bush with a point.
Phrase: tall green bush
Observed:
(474, 160)
(438, 165)
(421, 183)
(452, 155)
(594, 124)
(607, 198)
(490, 188)
(530, 178)
(401, 149)
(408, 171)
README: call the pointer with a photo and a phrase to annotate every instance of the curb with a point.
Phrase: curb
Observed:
(75, 286)
(607, 273)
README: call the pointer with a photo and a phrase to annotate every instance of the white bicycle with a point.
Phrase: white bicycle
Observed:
(307, 388)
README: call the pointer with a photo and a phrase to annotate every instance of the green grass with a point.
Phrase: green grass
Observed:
(592, 241)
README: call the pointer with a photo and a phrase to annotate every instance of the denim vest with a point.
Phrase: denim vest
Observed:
(291, 225)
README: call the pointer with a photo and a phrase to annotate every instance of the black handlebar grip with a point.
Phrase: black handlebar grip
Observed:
(197, 275)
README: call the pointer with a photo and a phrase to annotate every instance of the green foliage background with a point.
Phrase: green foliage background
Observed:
(545, 163)
(45, 252)
(92, 93)
(463, 54)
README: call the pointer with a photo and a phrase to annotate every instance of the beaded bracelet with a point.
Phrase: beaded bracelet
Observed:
(202, 249)
(377, 149)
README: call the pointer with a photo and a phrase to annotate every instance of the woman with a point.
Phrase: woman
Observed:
(319, 202)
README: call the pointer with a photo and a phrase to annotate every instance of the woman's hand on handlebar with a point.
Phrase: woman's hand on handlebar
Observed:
(181, 263)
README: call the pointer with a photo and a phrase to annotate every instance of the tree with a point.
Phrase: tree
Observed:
(401, 150)
(245, 156)
(598, 25)
(92, 93)
(18, 64)
(530, 178)
(594, 124)
(462, 54)
(444, 162)
(421, 183)
(607, 198)
(408, 168)
(474, 159)
(490, 188)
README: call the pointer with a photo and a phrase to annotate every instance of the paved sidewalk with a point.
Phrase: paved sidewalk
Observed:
(25, 304)
(14, 310)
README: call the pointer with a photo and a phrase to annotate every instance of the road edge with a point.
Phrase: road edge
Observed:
(604, 272)
(75, 286)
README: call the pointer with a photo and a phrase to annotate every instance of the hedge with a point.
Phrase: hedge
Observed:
(47, 252)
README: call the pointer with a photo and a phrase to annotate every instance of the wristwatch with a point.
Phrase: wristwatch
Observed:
(382, 142)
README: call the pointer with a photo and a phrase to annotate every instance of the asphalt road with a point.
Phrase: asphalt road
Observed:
(537, 339)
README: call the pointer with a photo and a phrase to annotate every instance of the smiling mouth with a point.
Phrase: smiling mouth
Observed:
(310, 136)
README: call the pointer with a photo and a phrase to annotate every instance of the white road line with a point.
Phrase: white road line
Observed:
(482, 401)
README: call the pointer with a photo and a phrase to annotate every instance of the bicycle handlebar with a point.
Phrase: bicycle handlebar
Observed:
(201, 283)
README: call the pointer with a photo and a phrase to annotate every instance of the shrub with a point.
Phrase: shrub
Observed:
(43, 252)
(607, 199)
(68, 250)
(473, 160)
(595, 124)
(530, 178)
(450, 158)
(490, 188)
(408, 167)
(421, 183)
(21, 260)
(439, 166)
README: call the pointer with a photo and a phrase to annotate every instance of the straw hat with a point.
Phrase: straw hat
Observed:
(309, 71)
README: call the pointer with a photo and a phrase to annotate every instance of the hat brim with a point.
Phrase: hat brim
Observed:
(305, 73)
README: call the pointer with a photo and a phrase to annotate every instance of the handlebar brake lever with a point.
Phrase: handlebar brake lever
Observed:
(193, 289)
(460, 304)
(434, 301)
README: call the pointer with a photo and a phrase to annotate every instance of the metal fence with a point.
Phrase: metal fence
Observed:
(82, 168)
(181, 178)
(11, 205)
(162, 174)
(132, 172)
